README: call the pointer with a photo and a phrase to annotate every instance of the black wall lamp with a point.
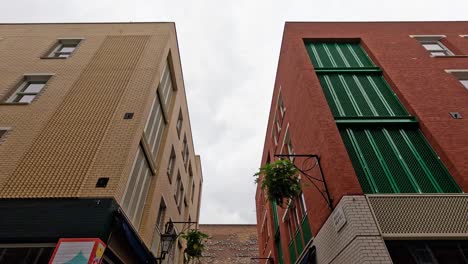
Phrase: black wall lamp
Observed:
(168, 238)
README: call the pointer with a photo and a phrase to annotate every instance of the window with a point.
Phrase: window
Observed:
(461, 75)
(179, 194)
(193, 191)
(64, 48)
(2, 132)
(159, 228)
(161, 215)
(288, 146)
(28, 89)
(37, 254)
(428, 251)
(166, 87)
(171, 164)
(179, 123)
(433, 45)
(185, 152)
(155, 125)
(278, 120)
(137, 188)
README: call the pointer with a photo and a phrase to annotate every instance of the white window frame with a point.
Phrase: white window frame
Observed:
(29, 78)
(460, 74)
(132, 212)
(436, 40)
(171, 164)
(62, 43)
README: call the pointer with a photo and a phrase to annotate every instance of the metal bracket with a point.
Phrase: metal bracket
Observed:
(304, 171)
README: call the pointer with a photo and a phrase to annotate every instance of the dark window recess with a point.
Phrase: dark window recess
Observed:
(102, 182)
(428, 251)
(128, 116)
(37, 255)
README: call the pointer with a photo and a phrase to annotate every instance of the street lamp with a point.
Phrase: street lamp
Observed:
(167, 239)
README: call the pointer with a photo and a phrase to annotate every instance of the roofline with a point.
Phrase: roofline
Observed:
(87, 23)
(396, 21)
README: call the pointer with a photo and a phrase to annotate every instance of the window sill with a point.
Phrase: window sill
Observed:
(53, 58)
(13, 103)
(451, 56)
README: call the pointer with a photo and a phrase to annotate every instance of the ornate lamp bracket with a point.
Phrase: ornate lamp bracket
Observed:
(305, 167)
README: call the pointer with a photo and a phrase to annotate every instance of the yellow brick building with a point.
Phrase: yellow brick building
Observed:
(95, 139)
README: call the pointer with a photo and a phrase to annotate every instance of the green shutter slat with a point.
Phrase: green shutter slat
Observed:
(306, 232)
(366, 177)
(275, 217)
(299, 245)
(280, 250)
(405, 184)
(421, 162)
(382, 162)
(292, 252)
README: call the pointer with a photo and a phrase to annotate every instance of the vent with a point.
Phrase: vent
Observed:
(102, 182)
(128, 116)
(401, 216)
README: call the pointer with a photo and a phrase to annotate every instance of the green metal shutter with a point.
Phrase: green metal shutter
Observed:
(360, 95)
(388, 155)
(292, 252)
(280, 250)
(306, 232)
(338, 55)
(396, 160)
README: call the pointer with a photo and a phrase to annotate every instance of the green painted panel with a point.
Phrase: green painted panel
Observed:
(280, 251)
(299, 244)
(396, 160)
(292, 252)
(337, 55)
(275, 216)
(360, 95)
(306, 231)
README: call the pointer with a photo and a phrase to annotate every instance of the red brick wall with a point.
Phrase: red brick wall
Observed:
(420, 82)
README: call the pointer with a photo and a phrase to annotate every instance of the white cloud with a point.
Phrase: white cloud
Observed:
(229, 52)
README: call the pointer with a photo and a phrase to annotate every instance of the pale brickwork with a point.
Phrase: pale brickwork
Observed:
(230, 244)
(358, 241)
(74, 132)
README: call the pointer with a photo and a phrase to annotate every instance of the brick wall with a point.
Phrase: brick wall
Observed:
(420, 82)
(230, 244)
(74, 131)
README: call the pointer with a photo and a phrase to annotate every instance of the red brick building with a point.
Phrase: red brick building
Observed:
(379, 112)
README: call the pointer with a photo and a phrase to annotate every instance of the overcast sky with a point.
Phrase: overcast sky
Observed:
(229, 52)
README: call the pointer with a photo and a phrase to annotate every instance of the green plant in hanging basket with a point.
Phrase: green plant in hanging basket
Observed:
(195, 243)
(281, 179)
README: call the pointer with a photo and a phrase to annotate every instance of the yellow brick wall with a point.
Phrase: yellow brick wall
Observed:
(74, 131)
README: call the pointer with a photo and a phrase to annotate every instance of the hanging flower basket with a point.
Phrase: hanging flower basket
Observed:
(281, 180)
(195, 243)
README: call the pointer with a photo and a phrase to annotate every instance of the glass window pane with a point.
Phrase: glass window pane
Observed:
(465, 83)
(438, 54)
(432, 46)
(63, 55)
(66, 49)
(33, 87)
(26, 98)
